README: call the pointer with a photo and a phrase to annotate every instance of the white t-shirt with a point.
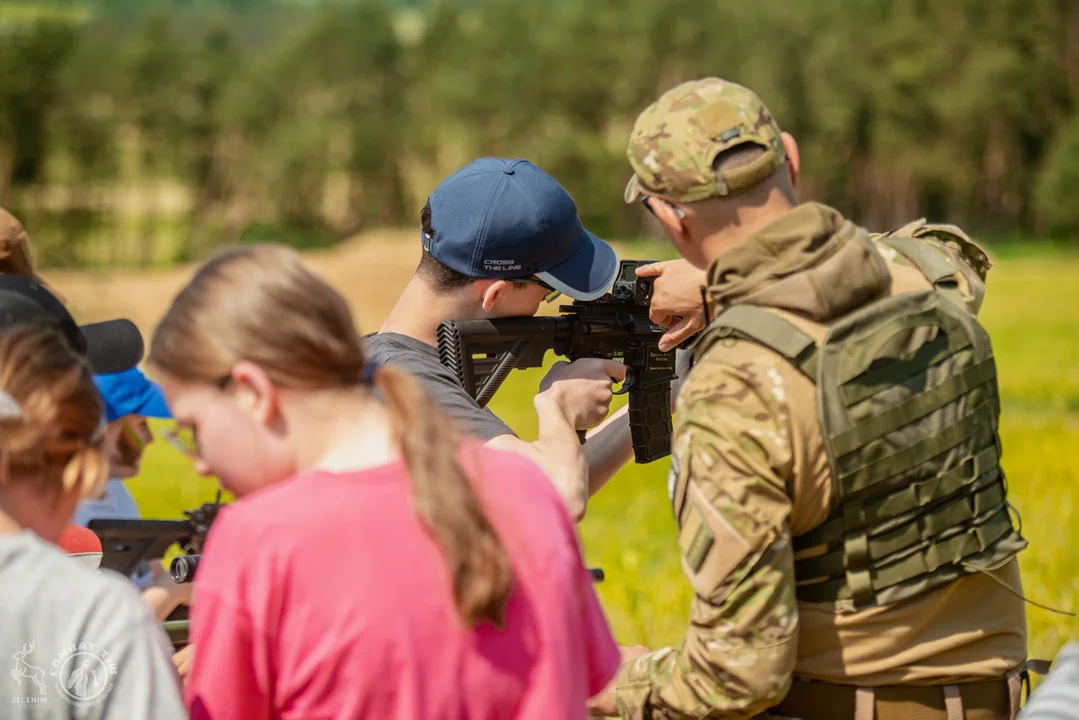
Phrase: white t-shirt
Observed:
(77, 644)
(116, 504)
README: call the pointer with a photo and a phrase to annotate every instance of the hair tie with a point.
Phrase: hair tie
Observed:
(10, 409)
(367, 376)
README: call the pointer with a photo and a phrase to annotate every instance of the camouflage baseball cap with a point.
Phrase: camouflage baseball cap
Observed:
(676, 139)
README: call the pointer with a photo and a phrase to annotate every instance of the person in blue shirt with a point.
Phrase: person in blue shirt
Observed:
(130, 398)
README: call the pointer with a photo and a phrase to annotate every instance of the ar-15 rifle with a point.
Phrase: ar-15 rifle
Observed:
(126, 543)
(481, 353)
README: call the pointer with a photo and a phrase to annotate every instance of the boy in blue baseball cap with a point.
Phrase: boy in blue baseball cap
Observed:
(129, 398)
(500, 237)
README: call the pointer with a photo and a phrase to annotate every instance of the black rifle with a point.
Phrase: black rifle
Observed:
(126, 543)
(481, 353)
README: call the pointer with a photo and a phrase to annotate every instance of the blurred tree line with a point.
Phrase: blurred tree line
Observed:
(143, 132)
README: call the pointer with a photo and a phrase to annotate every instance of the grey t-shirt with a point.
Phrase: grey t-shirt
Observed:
(420, 359)
(75, 643)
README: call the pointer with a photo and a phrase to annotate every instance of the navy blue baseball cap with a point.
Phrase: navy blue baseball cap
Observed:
(131, 393)
(507, 219)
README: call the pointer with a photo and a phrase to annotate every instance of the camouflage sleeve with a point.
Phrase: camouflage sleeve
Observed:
(731, 452)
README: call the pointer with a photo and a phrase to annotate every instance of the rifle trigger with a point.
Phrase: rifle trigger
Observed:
(627, 384)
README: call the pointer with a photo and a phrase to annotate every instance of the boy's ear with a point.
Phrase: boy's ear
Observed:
(491, 293)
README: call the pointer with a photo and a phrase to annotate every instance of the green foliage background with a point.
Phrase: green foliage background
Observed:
(148, 131)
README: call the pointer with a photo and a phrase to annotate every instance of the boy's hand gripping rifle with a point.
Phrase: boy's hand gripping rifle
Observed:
(481, 353)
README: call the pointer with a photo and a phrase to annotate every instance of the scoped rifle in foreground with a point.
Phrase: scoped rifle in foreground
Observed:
(616, 326)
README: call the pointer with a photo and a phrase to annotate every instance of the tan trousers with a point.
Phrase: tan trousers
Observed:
(995, 699)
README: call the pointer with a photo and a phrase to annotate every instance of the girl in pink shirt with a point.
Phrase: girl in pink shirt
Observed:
(373, 565)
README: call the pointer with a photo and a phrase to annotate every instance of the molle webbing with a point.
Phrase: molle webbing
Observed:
(908, 406)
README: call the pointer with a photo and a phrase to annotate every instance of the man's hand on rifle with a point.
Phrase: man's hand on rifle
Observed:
(676, 299)
(583, 389)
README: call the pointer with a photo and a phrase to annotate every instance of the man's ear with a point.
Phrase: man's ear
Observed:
(794, 160)
(254, 391)
(668, 218)
(491, 293)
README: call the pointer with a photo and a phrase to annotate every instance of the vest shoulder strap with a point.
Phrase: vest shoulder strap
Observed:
(933, 263)
(766, 328)
(952, 236)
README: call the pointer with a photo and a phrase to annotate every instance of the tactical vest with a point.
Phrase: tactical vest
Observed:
(908, 406)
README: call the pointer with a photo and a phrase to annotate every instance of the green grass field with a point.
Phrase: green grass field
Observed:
(1032, 311)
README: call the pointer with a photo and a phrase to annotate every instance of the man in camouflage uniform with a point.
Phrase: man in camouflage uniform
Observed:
(775, 629)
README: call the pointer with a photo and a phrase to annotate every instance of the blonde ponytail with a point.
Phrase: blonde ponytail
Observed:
(445, 500)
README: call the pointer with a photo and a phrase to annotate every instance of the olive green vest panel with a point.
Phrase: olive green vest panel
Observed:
(908, 405)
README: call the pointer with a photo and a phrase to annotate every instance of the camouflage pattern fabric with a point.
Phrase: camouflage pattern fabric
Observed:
(739, 451)
(728, 491)
(741, 428)
(968, 258)
(676, 139)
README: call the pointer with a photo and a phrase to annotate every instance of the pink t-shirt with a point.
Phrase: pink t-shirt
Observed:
(323, 597)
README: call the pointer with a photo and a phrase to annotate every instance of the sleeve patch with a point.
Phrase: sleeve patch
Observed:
(696, 539)
(711, 548)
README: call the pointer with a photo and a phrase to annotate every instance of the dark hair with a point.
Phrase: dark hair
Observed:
(438, 277)
(745, 154)
(736, 157)
(262, 304)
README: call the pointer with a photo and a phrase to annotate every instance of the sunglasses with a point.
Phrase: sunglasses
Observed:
(551, 295)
